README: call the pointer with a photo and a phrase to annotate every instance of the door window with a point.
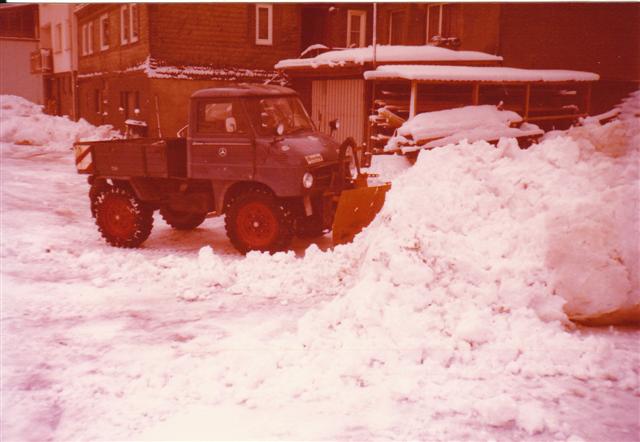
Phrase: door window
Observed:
(220, 118)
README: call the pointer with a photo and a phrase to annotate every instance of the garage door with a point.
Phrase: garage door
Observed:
(342, 99)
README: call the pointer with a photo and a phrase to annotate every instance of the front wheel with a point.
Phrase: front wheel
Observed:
(123, 220)
(257, 220)
(182, 220)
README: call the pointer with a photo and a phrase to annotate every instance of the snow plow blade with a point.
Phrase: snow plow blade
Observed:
(356, 209)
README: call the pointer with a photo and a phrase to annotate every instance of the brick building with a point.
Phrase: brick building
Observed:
(57, 31)
(21, 62)
(597, 37)
(593, 37)
(142, 61)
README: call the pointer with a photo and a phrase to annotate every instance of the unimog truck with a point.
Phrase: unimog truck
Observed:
(252, 154)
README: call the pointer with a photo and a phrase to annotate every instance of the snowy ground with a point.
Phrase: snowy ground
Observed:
(432, 325)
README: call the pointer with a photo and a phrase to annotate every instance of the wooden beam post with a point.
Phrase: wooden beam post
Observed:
(527, 99)
(475, 97)
(587, 99)
(413, 99)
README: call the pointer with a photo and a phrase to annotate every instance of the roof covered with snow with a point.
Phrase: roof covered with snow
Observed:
(385, 54)
(153, 68)
(243, 90)
(476, 73)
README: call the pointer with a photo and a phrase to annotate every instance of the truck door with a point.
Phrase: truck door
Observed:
(221, 146)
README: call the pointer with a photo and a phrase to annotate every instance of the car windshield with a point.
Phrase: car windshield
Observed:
(268, 113)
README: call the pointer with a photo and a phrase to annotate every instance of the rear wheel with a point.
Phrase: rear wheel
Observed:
(256, 220)
(123, 220)
(182, 220)
(94, 192)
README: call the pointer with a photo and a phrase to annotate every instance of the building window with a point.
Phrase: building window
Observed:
(134, 24)
(264, 24)
(124, 24)
(129, 23)
(124, 104)
(396, 27)
(356, 28)
(83, 37)
(129, 104)
(440, 21)
(104, 32)
(87, 39)
(57, 38)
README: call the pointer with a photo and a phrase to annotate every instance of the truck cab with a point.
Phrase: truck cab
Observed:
(251, 153)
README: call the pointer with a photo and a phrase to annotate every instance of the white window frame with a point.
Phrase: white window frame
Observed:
(104, 45)
(133, 38)
(130, 38)
(67, 35)
(269, 40)
(363, 27)
(440, 7)
(87, 38)
(57, 38)
(397, 11)
(124, 38)
(90, 38)
(83, 38)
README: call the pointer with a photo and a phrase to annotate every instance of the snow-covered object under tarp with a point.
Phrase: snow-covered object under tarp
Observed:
(471, 123)
(426, 53)
(24, 124)
(476, 74)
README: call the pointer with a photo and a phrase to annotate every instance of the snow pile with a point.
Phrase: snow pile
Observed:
(25, 124)
(471, 123)
(477, 73)
(452, 305)
(387, 167)
(386, 53)
(444, 320)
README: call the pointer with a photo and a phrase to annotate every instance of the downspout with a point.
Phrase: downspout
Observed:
(375, 32)
(366, 160)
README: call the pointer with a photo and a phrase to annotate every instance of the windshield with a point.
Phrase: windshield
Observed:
(268, 113)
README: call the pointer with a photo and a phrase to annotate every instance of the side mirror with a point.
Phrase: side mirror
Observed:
(182, 133)
(334, 125)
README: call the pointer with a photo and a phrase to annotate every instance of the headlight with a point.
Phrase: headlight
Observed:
(307, 180)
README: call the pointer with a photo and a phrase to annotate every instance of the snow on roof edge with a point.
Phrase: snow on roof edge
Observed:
(385, 53)
(153, 68)
(476, 73)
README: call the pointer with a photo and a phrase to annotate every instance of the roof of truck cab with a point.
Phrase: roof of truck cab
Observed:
(243, 90)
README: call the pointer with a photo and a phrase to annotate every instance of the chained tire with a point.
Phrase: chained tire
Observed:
(257, 220)
(182, 220)
(122, 219)
(94, 192)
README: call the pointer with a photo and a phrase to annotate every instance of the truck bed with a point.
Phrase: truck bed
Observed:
(141, 157)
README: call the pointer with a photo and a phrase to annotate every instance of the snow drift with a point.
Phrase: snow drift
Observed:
(454, 302)
(445, 319)
(25, 124)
